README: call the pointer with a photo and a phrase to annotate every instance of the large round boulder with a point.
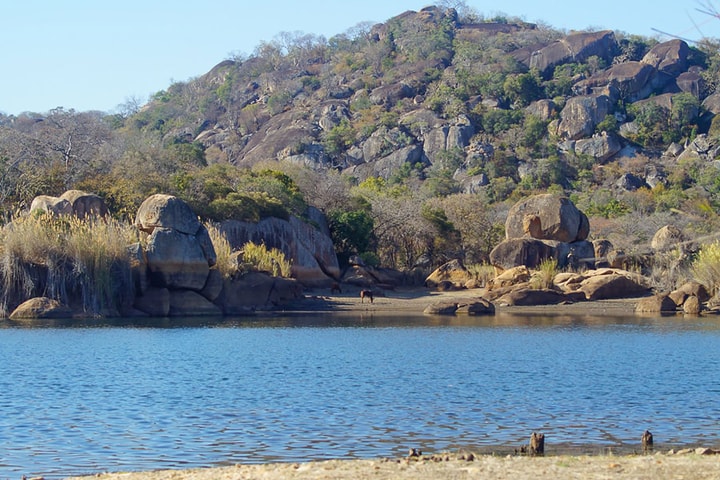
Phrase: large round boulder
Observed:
(453, 271)
(84, 204)
(554, 217)
(166, 211)
(40, 307)
(667, 238)
(53, 205)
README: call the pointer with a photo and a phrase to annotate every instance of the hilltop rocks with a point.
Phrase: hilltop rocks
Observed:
(576, 47)
(580, 116)
(668, 57)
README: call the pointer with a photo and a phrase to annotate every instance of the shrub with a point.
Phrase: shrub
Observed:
(262, 259)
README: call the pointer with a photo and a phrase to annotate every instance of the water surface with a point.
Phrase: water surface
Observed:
(84, 398)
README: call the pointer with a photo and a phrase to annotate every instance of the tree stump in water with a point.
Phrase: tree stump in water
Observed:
(647, 441)
(537, 443)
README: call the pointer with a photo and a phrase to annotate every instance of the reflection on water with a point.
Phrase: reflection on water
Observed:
(84, 397)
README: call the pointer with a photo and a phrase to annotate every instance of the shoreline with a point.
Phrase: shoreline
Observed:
(559, 461)
(414, 300)
(442, 466)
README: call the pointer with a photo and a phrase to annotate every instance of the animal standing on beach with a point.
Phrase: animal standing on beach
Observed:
(366, 294)
(335, 288)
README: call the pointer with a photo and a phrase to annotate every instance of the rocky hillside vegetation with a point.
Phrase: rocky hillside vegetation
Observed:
(413, 137)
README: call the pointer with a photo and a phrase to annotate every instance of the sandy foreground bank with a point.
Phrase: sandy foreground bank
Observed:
(486, 467)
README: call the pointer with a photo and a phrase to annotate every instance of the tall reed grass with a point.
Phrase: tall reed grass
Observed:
(83, 263)
(225, 263)
(706, 267)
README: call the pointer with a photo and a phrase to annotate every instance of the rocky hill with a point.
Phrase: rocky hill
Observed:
(425, 83)
(413, 137)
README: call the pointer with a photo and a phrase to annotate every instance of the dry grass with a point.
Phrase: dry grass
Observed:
(225, 262)
(544, 276)
(482, 272)
(82, 263)
(267, 260)
(706, 266)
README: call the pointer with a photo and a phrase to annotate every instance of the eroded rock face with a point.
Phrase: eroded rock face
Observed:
(314, 262)
(176, 260)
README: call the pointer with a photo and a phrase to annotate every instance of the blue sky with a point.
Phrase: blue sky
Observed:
(97, 54)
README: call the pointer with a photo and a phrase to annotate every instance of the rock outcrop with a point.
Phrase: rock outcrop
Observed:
(309, 247)
(85, 204)
(49, 204)
(452, 272)
(541, 227)
(72, 202)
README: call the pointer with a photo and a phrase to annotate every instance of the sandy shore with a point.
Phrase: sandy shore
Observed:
(404, 301)
(689, 465)
(442, 467)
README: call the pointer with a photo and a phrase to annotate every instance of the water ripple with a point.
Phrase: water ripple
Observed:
(85, 400)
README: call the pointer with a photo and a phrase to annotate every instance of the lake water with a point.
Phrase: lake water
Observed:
(82, 398)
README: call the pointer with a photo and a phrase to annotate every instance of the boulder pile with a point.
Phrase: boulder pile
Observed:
(541, 227)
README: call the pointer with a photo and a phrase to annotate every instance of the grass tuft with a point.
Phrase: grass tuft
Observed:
(545, 274)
